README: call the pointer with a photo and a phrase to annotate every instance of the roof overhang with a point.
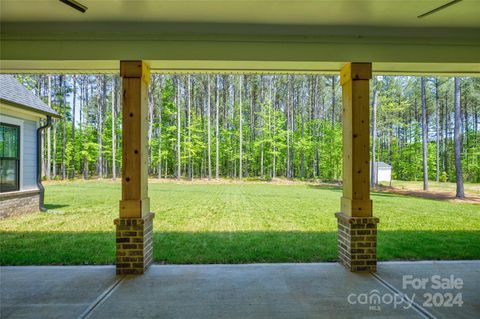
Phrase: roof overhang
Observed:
(25, 109)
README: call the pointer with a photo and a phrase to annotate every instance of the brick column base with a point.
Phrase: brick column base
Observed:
(357, 242)
(134, 244)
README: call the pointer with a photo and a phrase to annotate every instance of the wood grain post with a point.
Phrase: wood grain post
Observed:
(135, 223)
(357, 228)
(354, 78)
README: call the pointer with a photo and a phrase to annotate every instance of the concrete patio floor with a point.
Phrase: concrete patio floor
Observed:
(321, 290)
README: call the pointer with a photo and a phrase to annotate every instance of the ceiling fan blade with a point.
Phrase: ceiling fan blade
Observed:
(446, 5)
(76, 5)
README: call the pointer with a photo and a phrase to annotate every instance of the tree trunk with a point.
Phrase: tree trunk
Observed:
(456, 141)
(189, 173)
(151, 104)
(437, 132)
(114, 150)
(261, 123)
(64, 126)
(287, 115)
(373, 179)
(252, 122)
(446, 135)
(217, 140)
(85, 168)
(83, 102)
(54, 149)
(49, 140)
(302, 155)
(317, 117)
(100, 101)
(274, 160)
(333, 100)
(160, 103)
(179, 167)
(292, 128)
(42, 151)
(240, 171)
(208, 130)
(465, 143)
(73, 124)
(424, 136)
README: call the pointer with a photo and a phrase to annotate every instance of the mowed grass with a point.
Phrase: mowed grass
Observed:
(233, 223)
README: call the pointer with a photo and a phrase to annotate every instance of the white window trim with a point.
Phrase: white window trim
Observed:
(19, 123)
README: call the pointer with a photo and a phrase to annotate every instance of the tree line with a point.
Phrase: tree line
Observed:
(261, 126)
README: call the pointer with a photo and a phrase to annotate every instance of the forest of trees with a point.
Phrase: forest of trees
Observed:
(261, 126)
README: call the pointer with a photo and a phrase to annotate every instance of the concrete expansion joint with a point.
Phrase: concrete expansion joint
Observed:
(102, 298)
(418, 308)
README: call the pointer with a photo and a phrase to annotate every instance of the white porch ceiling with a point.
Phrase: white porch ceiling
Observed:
(269, 35)
(379, 13)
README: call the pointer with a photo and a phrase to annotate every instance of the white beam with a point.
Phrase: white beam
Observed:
(425, 52)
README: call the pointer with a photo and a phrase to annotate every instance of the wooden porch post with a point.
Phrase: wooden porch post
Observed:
(134, 227)
(357, 228)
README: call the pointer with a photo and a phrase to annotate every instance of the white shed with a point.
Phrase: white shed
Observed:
(383, 172)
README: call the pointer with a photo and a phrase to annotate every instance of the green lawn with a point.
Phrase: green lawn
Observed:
(233, 223)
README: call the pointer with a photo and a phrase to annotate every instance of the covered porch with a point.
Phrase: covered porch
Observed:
(353, 40)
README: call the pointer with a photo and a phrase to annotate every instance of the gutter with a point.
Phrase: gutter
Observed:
(39, 162)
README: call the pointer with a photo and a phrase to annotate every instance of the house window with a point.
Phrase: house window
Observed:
(9, 157)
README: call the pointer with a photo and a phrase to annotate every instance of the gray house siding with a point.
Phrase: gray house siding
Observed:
(20, 107)
(28, 153)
